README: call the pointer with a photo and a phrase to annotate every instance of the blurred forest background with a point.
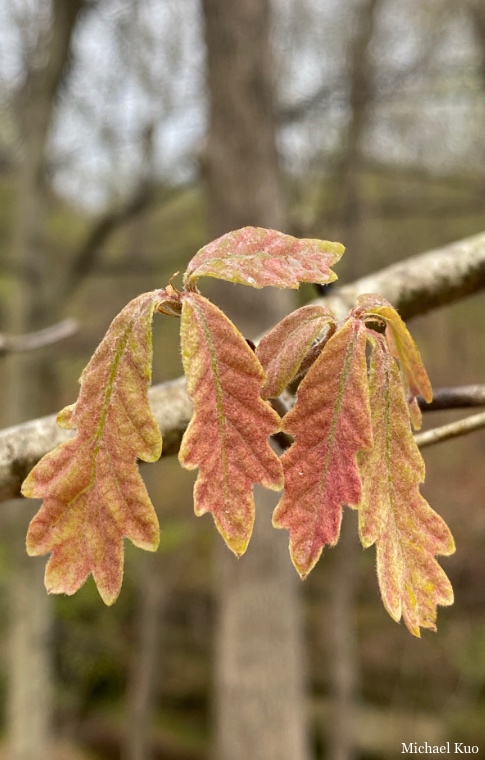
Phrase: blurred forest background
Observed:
(131, 133)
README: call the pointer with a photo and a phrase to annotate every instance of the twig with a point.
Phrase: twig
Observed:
(463, 397)
(87, 256)
(421, 283)
(145, 196)
(40, 339)
(453, 430)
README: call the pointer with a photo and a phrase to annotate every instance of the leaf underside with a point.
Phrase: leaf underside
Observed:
(392, 512)
(330, 422)
(260, 257)
(283, 349)
(92, 490)
(227, 438)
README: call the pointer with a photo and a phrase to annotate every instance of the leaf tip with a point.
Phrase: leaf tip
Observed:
(31, 549)
(148, 543)
(65, 417)
(237, 544)
(450, 548)
(27, 488)
(367, 539)
(304, 562)
(109, 598)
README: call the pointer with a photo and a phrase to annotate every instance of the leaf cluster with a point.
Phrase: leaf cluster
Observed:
(349, 431)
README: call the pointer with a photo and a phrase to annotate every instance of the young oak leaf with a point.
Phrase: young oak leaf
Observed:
(331, 423)
(283, 349)
(92, 490)
(404, 349)
(227, 438)
(260, 257)
(392, 512)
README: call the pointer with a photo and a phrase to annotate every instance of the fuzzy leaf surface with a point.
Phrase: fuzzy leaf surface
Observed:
(404, 349)
(260, 257)
(92, 490)
(227, 438)
(331, 423)
(283, 349)
(392, 512)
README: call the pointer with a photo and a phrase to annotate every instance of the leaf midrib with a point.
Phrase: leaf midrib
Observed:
(219, 395)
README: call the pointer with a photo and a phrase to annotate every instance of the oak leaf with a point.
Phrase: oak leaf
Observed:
(92, 490)
(331, 423)
(227, 438)
(260, 257)
(403, 348)
(284, 348)
(392, 512)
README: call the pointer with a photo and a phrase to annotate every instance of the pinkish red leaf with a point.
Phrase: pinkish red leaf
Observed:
(227, 438)
(92, 490)
(403, 348)
(283, 349)
(331, 423)
(392, 512)
(259, 257)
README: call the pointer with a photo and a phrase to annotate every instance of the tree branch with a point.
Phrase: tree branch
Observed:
(10, 344)
(86, 258)
(87, 255)
(464, 397)
(453, 430)
(414, 286)
(424, 282)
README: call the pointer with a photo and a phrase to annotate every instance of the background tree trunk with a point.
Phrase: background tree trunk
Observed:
(145, 666)
(31, 386)
(348, 210)
(259, 684)
(342, 645)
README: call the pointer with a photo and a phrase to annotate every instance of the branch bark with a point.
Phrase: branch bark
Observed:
(453, 430)
(10, 344)
(423, 282)
(414, 286)
(464, 397)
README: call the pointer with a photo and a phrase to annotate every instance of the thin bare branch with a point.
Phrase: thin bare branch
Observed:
(87, 255)
(10, 344)
(414, 286)
(453, 430)
(463, 397)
